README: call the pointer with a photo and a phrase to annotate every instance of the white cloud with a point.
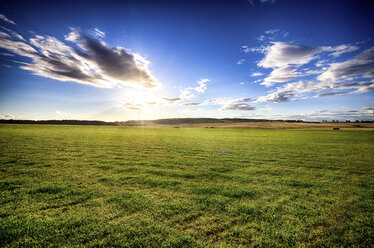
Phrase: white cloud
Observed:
(281, 54)
(257, 74)
(202, 85)
(262, 38)
(3, 18)
(286, 59)
(95, 63)
(362, 65)
(280, 75)
(17, 47)
(240, 61)
(186, 92)
(7, 116)
(73, 36)
(321, 63)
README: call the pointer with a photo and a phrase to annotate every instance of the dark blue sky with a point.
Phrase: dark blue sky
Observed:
(273, 59)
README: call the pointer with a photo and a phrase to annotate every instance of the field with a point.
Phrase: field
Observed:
(274, 125)
(94, 186)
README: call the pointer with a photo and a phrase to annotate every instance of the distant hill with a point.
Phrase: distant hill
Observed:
(170, 121)
(189, 121)
(62, 122)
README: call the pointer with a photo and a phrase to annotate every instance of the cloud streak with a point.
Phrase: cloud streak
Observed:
(5, 19)
(309, 89)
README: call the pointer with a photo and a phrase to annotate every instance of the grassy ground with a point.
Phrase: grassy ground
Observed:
(165, 187)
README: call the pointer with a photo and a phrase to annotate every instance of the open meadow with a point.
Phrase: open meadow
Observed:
(100, 186)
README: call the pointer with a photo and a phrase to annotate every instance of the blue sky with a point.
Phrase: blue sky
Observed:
(121, 60)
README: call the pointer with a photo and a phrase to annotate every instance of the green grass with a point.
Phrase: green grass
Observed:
(91, 186)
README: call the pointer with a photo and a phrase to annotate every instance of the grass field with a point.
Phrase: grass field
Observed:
(93, 186)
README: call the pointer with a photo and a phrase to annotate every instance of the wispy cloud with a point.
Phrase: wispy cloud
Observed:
(366, 113)
(12, 34)
(271, 31)
(5, 19)
(257, 74)
(4, 35)
(240, 61)
(150, 102)
(203, 85)
(308, 89)
(247, 49)
(252, 2)
(232, 104)
(8, 116)
(172, 100)
(238, 106)
(17, 47)
(59, 112)
(272, 34)
(131, 106)
(88, 61)
(339, 50)
(192, 103)
(186, 93)
(99, 33)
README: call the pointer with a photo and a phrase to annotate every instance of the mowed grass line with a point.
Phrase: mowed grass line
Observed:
(94, 186)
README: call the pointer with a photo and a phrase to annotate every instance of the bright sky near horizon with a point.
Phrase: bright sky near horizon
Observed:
(122, 60)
